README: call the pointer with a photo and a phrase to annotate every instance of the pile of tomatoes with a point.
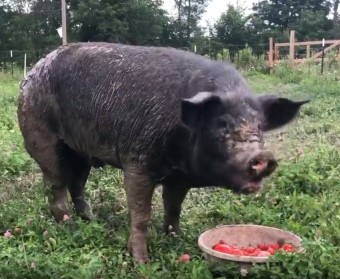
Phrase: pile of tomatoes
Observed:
(261, 250)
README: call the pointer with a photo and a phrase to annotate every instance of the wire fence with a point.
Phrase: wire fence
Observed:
(11, 60)
(14, 61)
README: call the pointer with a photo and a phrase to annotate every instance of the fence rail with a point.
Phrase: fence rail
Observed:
(274, 54)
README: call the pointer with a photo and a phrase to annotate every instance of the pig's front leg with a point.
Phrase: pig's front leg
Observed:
(139, 190)
(173, 197)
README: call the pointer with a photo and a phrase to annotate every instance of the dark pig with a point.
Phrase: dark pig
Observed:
(162, 115)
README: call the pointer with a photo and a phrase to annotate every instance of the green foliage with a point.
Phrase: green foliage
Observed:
(224, 56)
(309, 18)
(14, 160)
(302, 196)
(185, 22)
(231, 29)
(313, 25)
(298, 74)
(287, 74)
(29, 27)
(244, 59)
(134, 22)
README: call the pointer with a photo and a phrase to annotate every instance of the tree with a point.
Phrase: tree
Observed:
(15, 29)
(189, 13)
(130, 21)
(145, 21)
(313, 25)
(20, 6)
(46, 18)
(6, 18)
(305, 16)
(259, 35)
(99, 20)
(336, 19)
(231, 29)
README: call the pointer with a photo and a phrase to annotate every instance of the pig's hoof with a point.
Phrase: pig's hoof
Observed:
(142, 260)
(84, 211)
(139, 254)
(171, 231)
(58, 211)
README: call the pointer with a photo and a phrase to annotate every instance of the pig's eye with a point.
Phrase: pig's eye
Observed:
(221, 123)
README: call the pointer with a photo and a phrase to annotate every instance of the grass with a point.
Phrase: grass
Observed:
(302, 196)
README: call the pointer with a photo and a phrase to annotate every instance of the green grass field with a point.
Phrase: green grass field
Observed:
(303, 196)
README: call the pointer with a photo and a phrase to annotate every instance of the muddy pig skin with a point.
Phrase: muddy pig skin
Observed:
(164, 116)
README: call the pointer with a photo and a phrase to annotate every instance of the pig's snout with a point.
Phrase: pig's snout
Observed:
(261, 165)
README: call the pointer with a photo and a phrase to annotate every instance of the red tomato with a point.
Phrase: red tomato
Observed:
(271, 251)
(274, 246)
(263, 247)
(288, 247)
(184, 258)
(255, 253)
(249, 249)
(223, 248)
(237, 252)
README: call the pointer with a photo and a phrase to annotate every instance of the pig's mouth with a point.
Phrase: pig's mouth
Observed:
(251, 187)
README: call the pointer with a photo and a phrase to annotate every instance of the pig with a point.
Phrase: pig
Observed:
(163, 116)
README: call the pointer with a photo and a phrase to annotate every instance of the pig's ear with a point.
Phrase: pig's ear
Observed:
(278, 111)
(198, 106)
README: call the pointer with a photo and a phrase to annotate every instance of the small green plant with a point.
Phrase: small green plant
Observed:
(246, 60)
(287, 74)
(224, 56)
(332, 58)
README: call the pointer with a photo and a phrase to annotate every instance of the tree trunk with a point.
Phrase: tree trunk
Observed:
(336, 22)
(336, 7)
(179, 10)
(189, 18)
(179, 20)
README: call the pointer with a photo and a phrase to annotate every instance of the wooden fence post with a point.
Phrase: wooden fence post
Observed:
(25, 59)
(270, 54)
(291, 47)
(308, 51)
(276, 52)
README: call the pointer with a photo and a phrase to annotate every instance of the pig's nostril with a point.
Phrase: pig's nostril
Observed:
(259, 165)
(272, 164)
(262, 165)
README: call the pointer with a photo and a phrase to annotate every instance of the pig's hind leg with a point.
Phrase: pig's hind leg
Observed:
(63, 169)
